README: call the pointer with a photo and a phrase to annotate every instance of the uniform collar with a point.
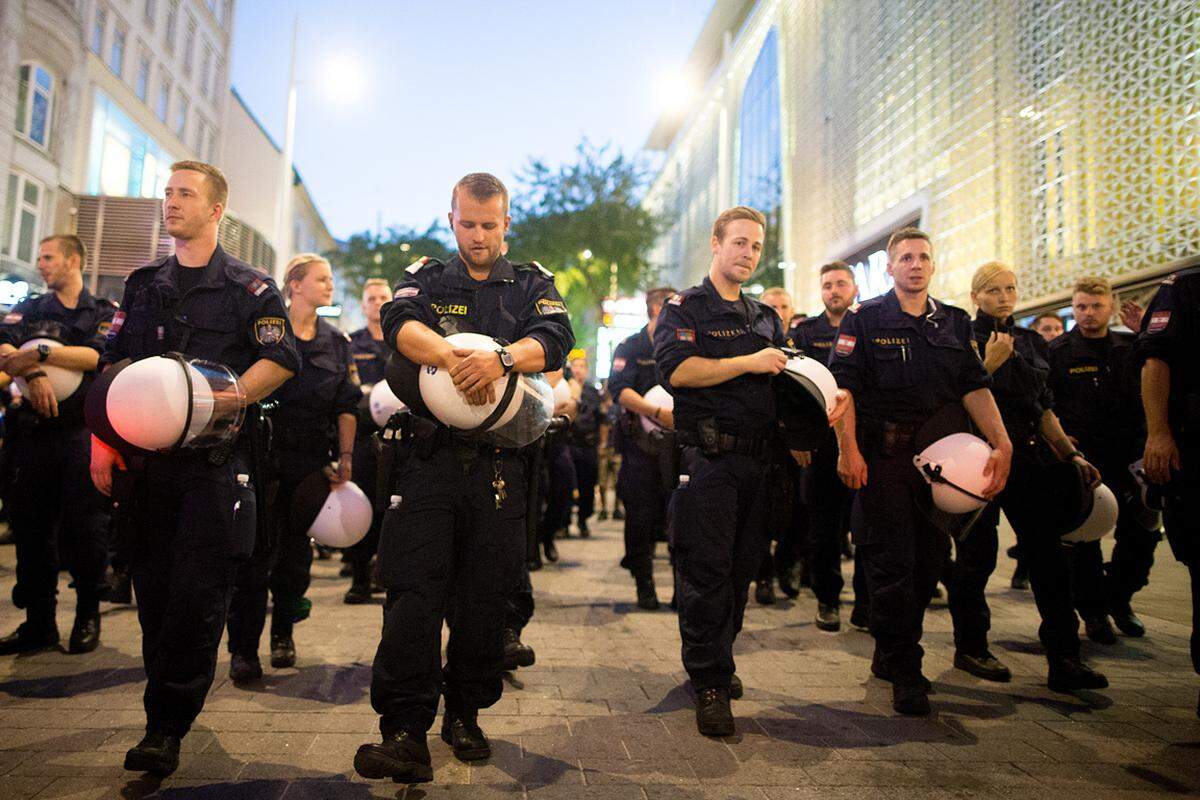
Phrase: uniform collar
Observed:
(893, 313)
(1080, 345)
(502, 272)
(86, 300)
(216, 271)
(715, 300)
(986, 323)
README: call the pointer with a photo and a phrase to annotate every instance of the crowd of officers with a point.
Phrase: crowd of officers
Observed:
(208, 535)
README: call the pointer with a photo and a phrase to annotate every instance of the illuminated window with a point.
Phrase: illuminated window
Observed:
(35, 95)
(124, 160)
(142, 83)
(22, 219)
(116, 54)
(99, 23)
(760, 176)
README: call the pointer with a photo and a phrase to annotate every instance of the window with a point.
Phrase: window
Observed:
(205, 64)
(116, 55)
(760, 175)
(142, 83)
(189, 46)
(22, 218)
(201, 138)
(164, 98)
(123, 159)
(149, 12)
(35, 94)
(181, 115)
(172, 24)
(99, 23)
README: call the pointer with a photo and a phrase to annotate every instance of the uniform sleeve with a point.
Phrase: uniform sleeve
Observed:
(271, 331)
(547, 322)
(970, 373)
(1162, 326)
(104, 317)
(349, 392)
(675, 337)
(116, 347)
(848, 356)
(410, 301)
(12, 325)
(624, 368)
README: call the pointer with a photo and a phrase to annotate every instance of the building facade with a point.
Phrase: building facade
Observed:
(1060, 136)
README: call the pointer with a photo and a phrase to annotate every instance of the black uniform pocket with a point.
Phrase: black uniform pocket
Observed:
(891, 367)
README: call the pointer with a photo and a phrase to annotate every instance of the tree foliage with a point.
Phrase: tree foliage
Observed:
(366, 255)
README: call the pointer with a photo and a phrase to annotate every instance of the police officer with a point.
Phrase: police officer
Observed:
(904, 356)
(639, 483)
(194, 522)
(457, 536)
(717, 351)
(57, 517)
(1095, 386)
(1016, 359)
(370, 352)
(828, 498)
(585, 440)
(558, 472)
(1170, 390)
(312, 427)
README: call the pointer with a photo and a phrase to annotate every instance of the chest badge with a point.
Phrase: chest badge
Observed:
(845, 344)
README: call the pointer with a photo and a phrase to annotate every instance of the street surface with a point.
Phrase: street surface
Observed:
(606, 712)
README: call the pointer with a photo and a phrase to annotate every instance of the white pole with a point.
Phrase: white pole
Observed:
(283, 204)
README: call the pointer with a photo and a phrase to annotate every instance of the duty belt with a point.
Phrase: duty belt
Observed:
(725, 443)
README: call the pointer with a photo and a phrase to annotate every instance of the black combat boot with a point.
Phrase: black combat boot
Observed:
(402, 756)
(463, 734)
(157, 753)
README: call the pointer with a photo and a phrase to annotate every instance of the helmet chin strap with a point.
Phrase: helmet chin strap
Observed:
(933, 473)
(510, 388)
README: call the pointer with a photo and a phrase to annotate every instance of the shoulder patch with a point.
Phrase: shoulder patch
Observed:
(117, 321)
(1158, 321)
(845, 344)
(618, 364)
(406, 291)
(415, 266)
(547, 306)
(269, 330)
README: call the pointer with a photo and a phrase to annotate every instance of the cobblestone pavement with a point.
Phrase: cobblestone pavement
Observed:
(606, 712)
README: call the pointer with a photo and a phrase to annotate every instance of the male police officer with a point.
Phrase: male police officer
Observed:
(454, 545)
(1171, 398)
(828, 498)
(718, 350)
(904, 356)
(639, 482)
(370, 352)
(1095, 386)
(195, 521)
(585, 440)
(57, 516)
(1049, 326)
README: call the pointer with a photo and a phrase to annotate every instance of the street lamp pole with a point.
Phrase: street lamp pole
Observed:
(283, 202)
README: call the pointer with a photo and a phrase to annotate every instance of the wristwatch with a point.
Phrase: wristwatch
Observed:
(506, 360)
(43, 351)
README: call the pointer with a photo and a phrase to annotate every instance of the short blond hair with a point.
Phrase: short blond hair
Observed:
(482, 186)
(297, 269)
(1093, 284)
(737, 212)
(376, 282)
(777, 291)
(218, 187)
(987, 271)
(905, 234)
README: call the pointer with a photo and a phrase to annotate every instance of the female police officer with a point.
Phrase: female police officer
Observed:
(315, 415)
(1017, 361)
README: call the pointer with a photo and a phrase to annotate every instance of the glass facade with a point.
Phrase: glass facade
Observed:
(123, 159)
(760, 177)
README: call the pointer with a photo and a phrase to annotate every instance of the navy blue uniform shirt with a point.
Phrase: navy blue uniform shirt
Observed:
(326, 387)
(633, 366)
(370, 356)
(699, 322)
(1097, 391)
(1170, 332)
(233, 316)
(1021, 385)
(902, 368)
(814, 336)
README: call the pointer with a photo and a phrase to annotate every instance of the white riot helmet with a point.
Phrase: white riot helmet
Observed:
(165, 403)
(333, 515)
(383, 402)
(805, 396)
(660, 397)
(518, 416)
(953, 467)
(63, 382)
(1100, 522)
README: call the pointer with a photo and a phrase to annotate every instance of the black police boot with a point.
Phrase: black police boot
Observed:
(118, 588)
(583, 529)
(910, 699)
(283, 651)
(550, 550)
(464, 735)
(1069, 674)
(881, 671)
(647, 598)
(829, 618)
(29, 638)
(1127, 621)
(85, 634)
(357, 594)
(1099, 630)
(786, 584)
(618, 514)
(714, 717)
(603, 515)
(1020, 578)
(860, 618)
(984, 665)
(736, 690)
(534, 564)
(400, 756)
(764, 593)
(157, 753)
(516, 652)
(245, 668)
(346, 570)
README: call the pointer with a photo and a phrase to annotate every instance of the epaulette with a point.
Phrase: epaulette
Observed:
(423, 261)
(153, 266)
(249, 279)
(1183, 273)
(678, 298)
(547, 274)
